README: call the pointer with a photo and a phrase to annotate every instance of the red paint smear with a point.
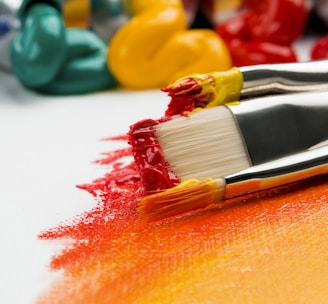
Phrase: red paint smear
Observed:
(186, 95)
(117, 193)
(116, 258)
(155, 171)
(182, 97)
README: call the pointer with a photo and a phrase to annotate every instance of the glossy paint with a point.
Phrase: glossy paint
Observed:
(50, 58)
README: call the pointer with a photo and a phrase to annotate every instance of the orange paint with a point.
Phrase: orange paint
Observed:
(270, 248)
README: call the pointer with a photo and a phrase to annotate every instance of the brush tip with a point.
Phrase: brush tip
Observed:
(190, 92)
(187, 196)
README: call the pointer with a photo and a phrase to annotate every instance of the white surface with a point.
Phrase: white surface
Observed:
(47, 145)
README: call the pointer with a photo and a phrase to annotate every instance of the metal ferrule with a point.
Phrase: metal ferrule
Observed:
(284, 171)
(260, 80)
(277, 126)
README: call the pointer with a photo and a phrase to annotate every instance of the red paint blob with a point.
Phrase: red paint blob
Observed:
(155, 172)
(182, 97)
(186, 95)
(320, 49)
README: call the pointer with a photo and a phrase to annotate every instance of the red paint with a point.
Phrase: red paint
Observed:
(267, 20)
(244, 53)
(279, 21)
(228, 254)
(320, 49)
(155, 172)
(262, 33)
(117, 194)
(181, 103)
(187, 95)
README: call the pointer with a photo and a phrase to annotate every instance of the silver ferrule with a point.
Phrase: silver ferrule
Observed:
(260, 80)
(284, 171)
(277, 126)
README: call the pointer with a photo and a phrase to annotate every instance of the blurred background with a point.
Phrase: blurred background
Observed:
(83, 46)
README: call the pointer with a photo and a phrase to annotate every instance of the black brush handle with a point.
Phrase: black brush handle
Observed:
(265, 79)
(281, 125)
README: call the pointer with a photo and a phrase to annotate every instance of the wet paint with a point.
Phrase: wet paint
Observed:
(271, 246)
(155, 172)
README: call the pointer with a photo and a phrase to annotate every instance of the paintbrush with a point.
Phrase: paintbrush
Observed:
(193, 194)
(208, 90)
(219, 141)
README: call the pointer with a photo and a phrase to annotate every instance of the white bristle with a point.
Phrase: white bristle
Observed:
(208, 143)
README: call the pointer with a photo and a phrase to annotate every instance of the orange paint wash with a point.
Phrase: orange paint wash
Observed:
(267, 248)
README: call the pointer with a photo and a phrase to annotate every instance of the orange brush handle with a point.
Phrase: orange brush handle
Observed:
(280, 172)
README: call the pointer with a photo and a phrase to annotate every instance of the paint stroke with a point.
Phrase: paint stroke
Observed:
(270, 247)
